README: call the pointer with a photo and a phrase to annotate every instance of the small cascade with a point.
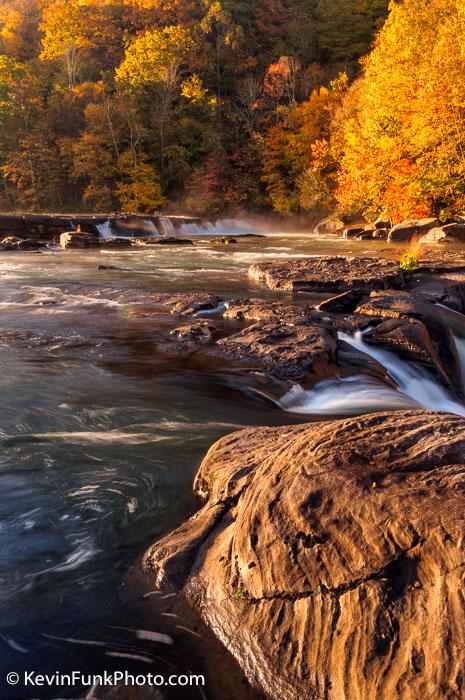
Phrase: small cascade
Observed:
(105, 230)
(192, 229)
(167, 227)
(456, 321)
(412, 379)
(359, 394)
(345, 396)
(152, 230)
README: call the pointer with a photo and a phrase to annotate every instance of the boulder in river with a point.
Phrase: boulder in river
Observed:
(328, 557)
(78, 239)
(407, 231)
(282, 350)
(382, 222)
(223, 240)
(381, 234)
(451, 233)
(188, 304)
(115, 243)
(169, 241)
(329, 225)
(14, 243)
(353, 232)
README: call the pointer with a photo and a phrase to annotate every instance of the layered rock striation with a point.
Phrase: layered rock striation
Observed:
(329, 557)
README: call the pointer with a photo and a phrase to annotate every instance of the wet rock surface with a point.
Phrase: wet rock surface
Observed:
(169, 241)
(328, 557)
(183, 304)
(449, 233)
(333, 275)
(303, 352)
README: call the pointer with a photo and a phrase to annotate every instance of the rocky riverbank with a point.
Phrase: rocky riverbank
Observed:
(425, 231)
(328, 556)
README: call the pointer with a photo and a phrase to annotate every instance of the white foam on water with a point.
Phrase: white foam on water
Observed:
(355, 395)
(93, 438)
(412, 379)
(222, 227)
(344, 396)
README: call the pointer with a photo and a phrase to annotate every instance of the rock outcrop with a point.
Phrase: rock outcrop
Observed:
(450, 233)
(329, 274)
(329, 557)
(330, 225)
(303, 352)
(409, 230)
(183, 304)
(78, 239)
(20, 244)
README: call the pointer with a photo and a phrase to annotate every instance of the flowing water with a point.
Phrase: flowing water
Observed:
(416, 388)
(100, 443)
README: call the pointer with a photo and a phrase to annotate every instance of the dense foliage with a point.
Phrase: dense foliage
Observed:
(400, 138)
(206, 104)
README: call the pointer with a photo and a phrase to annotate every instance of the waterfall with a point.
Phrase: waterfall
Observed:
(192, 229)
(167, 227)
(345, 396)
(416, 388)
(412, 379)
(223, 227)
(152, 229)
(105, 230)
(456, 321)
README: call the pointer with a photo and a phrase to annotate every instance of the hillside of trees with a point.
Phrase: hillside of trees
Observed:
(199, 105)
(208, 106)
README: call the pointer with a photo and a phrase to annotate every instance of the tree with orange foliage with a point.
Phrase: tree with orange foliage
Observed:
(401, 134)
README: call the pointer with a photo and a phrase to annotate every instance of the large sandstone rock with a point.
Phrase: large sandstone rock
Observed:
(329, 274)
(18, 244)
(329, 557)
(188, 304)
(409, 230)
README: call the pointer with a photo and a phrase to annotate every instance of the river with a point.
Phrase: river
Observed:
(100, 444)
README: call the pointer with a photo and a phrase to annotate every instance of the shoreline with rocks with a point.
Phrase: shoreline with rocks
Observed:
(328, 556)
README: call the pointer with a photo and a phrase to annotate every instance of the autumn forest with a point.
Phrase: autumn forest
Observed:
(209, 106)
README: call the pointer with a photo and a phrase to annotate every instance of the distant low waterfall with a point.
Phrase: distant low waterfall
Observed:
(166, 227)
(105, 230)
